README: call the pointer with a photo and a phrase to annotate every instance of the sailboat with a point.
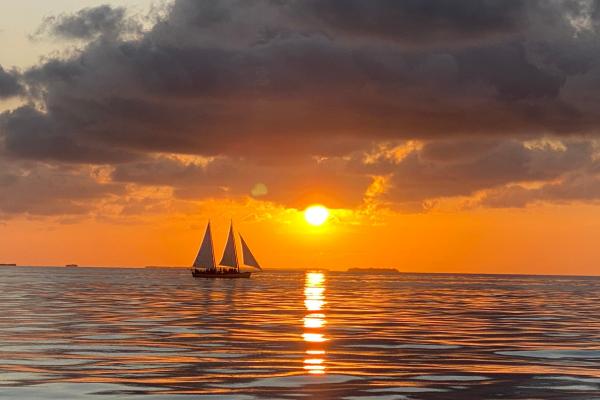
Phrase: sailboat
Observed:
(205, 267)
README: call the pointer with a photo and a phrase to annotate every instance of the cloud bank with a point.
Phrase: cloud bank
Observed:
(88, 24)
(9, 84)
(318, 100)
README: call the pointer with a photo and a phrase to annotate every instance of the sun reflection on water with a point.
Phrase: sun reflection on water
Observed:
(314, 322)
(159, 334)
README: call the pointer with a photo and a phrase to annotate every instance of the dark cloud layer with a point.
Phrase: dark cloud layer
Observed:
(579, 187)
(9, 84)
(88, 23)
(420, 22)
(298, 183)
(260, 87)
(462, 168)
(41, 189)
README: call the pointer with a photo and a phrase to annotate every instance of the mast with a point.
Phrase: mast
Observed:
(230, 257)
(206, 254)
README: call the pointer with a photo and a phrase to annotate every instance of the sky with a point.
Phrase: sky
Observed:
(443, 136)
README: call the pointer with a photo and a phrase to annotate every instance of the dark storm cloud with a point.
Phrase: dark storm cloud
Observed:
(189, 179)
(31, 134)
(41, 189)
(508, 70)
(443, 169)
(261, 85)
(88, 23)
(296, 183)
(580, 187)
(9, 84)
(224, 77)
(418, 22)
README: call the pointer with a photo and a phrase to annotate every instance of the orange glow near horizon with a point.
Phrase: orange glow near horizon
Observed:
(540, 240)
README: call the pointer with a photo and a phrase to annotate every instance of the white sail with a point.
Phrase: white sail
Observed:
(248, 257)
(230, 258)
(206, 254)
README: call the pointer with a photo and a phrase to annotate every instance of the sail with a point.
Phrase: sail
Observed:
(248, 256)
(206, 254)
(230, 254)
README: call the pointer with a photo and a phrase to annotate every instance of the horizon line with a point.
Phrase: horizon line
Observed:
(316, 269)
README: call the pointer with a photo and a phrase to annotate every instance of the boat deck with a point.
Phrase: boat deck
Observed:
(196, 273)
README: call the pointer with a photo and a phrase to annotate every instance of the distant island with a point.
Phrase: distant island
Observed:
(71, 265)
(7, 265)
(161, 267)
(373, 270)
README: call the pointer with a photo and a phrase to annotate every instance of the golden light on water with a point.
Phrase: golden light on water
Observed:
(314, 337)
(316, 215)
(313, 305)
(314, 293)
(314, 280)
(315, 369)
(314, 321)
(313, 361)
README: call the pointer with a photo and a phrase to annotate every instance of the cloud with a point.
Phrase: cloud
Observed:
(419, 22)
(295, 184)
(577, 186)
(295, 95)
(454, 168)
(9, 84)
(39, 189)
(88, 23)
(31, 134)
(229, 78)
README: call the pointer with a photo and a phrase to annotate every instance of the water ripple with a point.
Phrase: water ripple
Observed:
(159, 334)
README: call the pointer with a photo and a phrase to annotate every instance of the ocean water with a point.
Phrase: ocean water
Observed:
(160, 334)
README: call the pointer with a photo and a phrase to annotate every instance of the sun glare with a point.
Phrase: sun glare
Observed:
(316, 215)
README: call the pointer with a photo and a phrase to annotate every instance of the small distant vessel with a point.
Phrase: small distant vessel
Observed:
(229, 267)
(71, 265)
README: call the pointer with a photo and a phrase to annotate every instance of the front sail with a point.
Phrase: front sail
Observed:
(230, 258)
(248, 256)
(206, 254)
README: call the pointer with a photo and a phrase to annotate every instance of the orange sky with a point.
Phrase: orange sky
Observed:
(536, 240)
(462, 139)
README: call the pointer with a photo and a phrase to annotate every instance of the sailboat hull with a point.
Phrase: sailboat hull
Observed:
(196, 273)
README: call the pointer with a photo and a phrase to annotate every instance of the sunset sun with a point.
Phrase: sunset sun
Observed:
(316, 215)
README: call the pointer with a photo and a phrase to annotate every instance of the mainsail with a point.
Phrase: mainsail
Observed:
(247, 255)
(206, 254)
(230, 258)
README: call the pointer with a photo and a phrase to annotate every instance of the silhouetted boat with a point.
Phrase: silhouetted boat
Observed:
(229, 267)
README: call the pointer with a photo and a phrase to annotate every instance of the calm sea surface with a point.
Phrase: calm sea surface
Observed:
(160, 334)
